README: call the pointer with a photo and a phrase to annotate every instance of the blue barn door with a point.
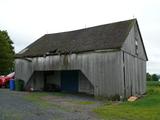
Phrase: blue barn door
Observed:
(69, 81)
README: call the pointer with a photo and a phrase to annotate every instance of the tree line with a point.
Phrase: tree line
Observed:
(152, 77)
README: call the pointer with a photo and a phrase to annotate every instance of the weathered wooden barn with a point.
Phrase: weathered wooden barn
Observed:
(104, 60)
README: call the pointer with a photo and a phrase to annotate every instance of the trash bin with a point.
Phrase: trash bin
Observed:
(19, 84)
(12, 84)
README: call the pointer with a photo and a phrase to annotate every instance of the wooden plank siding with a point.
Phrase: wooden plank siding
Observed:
(24, 69)
(135, 75)
(84, 84)
(102, 69)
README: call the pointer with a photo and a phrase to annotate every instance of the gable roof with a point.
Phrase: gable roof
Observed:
(108, 36)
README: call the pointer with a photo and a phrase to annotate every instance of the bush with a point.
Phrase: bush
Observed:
(153, 83)
(115, 97)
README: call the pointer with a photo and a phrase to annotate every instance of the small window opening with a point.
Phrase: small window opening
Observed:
(136, 47)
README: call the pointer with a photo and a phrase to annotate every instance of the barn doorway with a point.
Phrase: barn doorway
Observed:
(52, 81)
(69, 81)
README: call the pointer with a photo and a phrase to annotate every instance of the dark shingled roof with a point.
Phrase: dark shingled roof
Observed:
(108, 36)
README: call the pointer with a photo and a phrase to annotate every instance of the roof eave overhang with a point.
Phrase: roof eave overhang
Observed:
(68, 53)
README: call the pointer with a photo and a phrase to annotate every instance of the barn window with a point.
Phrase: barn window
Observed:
(136, 46)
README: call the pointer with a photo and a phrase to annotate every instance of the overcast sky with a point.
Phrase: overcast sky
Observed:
(27, 20)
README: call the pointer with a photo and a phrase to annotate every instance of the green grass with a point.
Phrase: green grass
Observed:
(146, 108)
(36, 97)
(85, 102)
(58, 94)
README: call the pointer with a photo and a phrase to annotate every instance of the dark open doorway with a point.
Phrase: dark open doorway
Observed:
(69, 81)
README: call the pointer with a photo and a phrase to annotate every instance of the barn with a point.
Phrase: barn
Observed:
(104, 60)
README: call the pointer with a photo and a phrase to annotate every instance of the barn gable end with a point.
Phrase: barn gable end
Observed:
(129, 45)
(135, 58)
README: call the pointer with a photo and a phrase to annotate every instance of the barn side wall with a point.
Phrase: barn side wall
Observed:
(102, 69)
(135, 75)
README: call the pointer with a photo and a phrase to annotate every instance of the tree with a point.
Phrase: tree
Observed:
(6, 53)
(149, 77)
(154, 77)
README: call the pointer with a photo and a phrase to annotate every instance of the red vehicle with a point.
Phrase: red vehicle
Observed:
(5, 79)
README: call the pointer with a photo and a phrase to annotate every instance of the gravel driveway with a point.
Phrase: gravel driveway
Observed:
(46, 106)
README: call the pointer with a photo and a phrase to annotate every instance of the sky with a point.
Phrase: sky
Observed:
(28, 20)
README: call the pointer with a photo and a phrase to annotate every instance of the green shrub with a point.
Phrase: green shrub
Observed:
(153, 83)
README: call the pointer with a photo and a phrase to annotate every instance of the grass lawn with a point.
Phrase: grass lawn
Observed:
(146, 108)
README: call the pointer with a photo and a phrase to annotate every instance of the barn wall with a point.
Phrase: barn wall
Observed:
(37, 81)
(135, 75)
(84, 84)
(24, 69)
(129, 44)
(102, 69)
(135, 64)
